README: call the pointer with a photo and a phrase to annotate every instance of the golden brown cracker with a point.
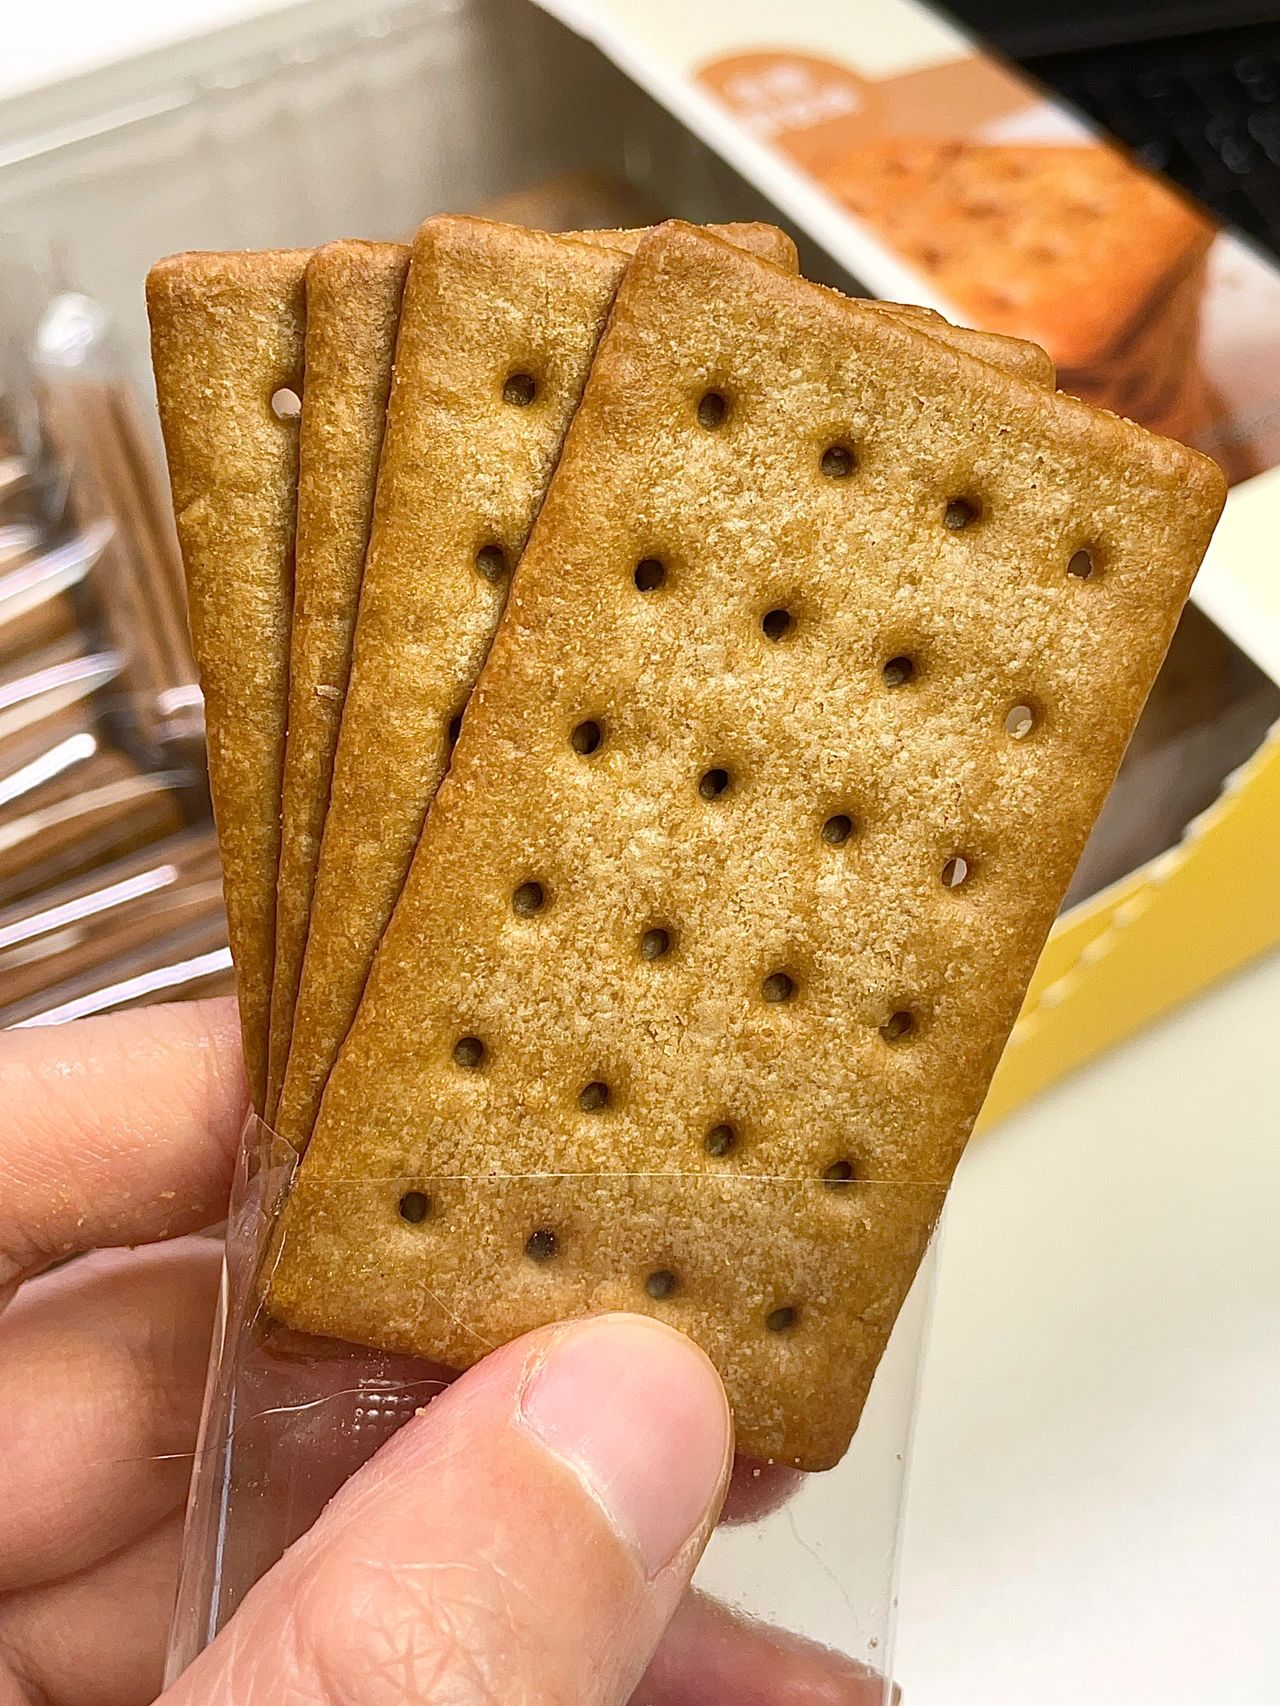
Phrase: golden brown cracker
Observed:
(346, 414)
(227, 339)
(353, 305)
(1016, 356)
(353, 293)
(497, 331)
(757, 238)
(436, 462)
(1064, 245)
(818, 666)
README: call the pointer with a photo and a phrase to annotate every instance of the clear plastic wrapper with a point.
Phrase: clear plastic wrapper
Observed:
(93, 431)
(802, 1563)
(102, 787)
(84, 937)
(179, 965)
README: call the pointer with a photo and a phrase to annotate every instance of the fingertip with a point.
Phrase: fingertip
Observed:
(638, 1413)
(122, 1129)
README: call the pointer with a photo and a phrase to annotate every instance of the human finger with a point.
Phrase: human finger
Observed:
(117, 1130)
(527, 1538)
(710, 1657)
(97, 1638)
(102, 1368)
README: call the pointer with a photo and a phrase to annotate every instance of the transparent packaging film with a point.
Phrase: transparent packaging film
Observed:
(93, 432)
(801, 1568)
(109, 891)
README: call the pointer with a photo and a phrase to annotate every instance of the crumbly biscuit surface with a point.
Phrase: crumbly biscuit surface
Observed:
(227, 338)
(822, 656)
(353, 293)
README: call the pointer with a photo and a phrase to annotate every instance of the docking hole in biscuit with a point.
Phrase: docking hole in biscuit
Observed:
(286, 404)
(586, 737)
(519, 389)
(720, 1139)
(837, 830)
(594, 1096)
(776, 623)
(712, 409)
(713, 783)
(1019, 721)
(527, 899)
(782, 1319)
(900, 1024)
(838, 1174)
(491, 563)
(415, 1206)
(837, 462)
(899, 670)
(469, 1053)
(655, 943)
(955, 871)
(961, 513)
(661, 1283)
(1081, 566)
(541, 1244)
(649, 574)
(778, 986)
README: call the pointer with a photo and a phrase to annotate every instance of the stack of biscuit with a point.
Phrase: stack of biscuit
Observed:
(655, 705)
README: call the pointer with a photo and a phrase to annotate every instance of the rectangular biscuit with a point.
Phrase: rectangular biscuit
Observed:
(820, 661)
(353, 294)
(227, 350)
(1016, 356)
(451, 516)
(484, 293)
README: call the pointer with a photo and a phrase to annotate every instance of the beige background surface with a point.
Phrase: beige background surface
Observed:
(1095, 1506)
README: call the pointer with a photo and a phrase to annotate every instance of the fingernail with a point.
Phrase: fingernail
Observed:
(639, 1415)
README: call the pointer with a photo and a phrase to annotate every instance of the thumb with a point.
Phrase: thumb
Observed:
(522, 1543)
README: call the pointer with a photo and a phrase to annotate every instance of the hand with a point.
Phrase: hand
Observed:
(527, 1540)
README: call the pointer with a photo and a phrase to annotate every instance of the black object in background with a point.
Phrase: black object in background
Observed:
(1192, 86)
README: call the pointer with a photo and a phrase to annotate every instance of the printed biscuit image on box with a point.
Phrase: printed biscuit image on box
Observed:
(976, 183)
(1120, 317)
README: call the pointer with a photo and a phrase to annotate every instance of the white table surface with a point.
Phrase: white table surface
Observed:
(1095, 1509)
(1095, 1505)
